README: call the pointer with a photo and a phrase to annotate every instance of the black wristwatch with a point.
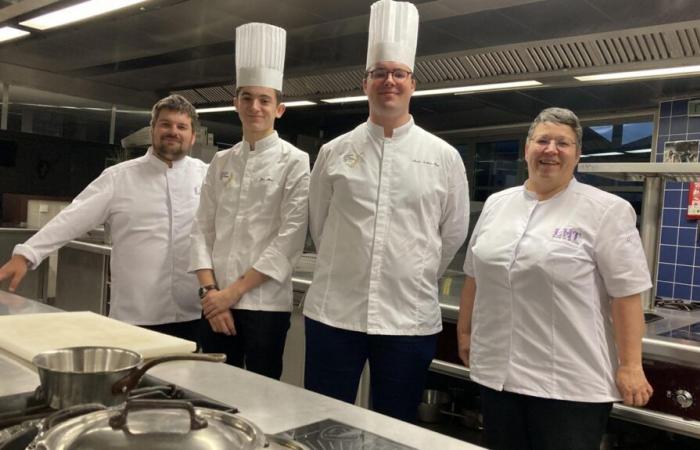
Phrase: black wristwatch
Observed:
(203, 290)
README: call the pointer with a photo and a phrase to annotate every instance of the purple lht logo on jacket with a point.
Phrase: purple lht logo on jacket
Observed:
(567, 234)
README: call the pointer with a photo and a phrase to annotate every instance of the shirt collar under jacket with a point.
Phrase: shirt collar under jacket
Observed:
(377, 132)
(263, 144)
(154, 160)
(531, 194)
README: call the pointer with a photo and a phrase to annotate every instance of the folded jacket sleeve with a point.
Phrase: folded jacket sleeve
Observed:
(279, 257)
(454, 223)
(203, 226)
(89, 209)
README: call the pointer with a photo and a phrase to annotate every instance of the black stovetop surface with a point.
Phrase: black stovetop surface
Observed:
(330, 434)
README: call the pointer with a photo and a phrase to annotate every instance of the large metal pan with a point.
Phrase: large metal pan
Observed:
(151, 425)
(77, 375)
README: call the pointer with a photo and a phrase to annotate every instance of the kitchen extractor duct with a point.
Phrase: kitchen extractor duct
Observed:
(138, 139)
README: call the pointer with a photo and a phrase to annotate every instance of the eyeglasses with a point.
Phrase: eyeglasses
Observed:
(382, 74)
(561, 144)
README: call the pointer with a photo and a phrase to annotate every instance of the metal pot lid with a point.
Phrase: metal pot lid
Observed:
(154, 425)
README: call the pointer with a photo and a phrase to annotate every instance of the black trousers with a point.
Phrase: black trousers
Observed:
(185, 330)
(258, 344)
(522, 422)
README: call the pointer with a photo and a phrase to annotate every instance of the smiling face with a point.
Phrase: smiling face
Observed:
(258, 108)
(388, 97)
(172, 135)
(551, 154)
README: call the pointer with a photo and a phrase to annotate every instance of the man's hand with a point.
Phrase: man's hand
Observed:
(223, 323)
(15, 269)
(219, 301)
(633, 385)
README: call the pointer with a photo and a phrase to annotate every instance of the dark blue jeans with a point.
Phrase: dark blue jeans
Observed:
(258, 344)
(398, 367)
(522, 422)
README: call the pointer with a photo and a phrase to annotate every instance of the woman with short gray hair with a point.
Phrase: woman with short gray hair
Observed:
(551, 320)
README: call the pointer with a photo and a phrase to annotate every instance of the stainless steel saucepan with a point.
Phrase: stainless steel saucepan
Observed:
(78, 375)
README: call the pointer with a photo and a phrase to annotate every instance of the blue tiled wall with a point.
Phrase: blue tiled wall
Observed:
(678, 273)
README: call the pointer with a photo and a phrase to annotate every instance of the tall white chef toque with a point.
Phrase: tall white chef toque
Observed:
(393, 33)
(260, 52)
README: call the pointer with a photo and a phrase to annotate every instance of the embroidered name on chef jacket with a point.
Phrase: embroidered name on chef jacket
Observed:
(567, 234)
(426, 163)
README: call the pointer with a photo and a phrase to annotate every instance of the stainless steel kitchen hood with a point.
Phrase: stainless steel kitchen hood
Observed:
(642, 171)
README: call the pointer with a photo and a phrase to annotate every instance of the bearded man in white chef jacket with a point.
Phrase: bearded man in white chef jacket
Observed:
(251, 224)
(149, 203)
(388, 211)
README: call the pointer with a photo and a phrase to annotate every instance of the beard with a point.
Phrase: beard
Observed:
(170, 150)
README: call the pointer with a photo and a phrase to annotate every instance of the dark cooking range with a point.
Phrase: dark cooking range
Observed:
(20, 414)
(330, 434)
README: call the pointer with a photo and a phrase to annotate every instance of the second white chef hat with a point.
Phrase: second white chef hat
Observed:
(393, 33)
(260, 50)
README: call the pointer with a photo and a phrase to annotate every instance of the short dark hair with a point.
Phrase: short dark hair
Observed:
(560, 116)
(279, 97)
(177, 103)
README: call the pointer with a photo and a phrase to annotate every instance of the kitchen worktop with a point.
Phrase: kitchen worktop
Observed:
(274, 406)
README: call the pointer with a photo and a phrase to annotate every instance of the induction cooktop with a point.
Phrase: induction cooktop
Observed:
(330, 434)
(690, 332)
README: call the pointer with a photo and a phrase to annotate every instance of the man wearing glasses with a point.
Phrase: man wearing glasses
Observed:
(388, 211)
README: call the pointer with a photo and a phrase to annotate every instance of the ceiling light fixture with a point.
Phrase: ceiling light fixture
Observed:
(478, 88)
(360, 98)
(643, 150)
(78, 12)
(593, 155)
(216, 109)
(636, 74)
(298, 103)
(9, 33)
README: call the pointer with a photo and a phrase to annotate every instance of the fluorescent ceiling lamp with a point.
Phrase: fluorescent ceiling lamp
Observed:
(298, 103)
(478, 88)
(78, 12)
(9, 33)
(651, 73)
(361, 98)
(592, 155)
(644, 150)
(217, 109)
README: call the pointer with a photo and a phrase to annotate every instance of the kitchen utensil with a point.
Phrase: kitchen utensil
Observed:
(77, 375)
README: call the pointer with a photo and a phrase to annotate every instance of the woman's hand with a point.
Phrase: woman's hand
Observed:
(633, 385)
(463, 345)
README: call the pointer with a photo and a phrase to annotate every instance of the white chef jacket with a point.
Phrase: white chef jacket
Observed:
(149, 208)
(253, 212)
(546, 272)
(387, 216)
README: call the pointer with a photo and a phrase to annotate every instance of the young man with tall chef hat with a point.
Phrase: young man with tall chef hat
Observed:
(149, 203)
(251, 224)
(388, 210)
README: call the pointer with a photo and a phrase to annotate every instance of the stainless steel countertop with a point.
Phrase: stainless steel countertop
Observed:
(271, 404)
(277, 406)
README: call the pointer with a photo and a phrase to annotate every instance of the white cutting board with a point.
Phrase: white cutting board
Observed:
(25, 335)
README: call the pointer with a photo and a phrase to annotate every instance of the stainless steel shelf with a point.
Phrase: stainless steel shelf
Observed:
(642, 171)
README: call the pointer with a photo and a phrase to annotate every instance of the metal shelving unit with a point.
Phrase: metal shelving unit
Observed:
(652, 174)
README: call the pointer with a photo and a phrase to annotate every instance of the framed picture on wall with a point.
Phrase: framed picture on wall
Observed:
(682, 151)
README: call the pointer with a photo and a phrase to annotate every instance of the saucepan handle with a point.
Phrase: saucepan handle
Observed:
(130, 381)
